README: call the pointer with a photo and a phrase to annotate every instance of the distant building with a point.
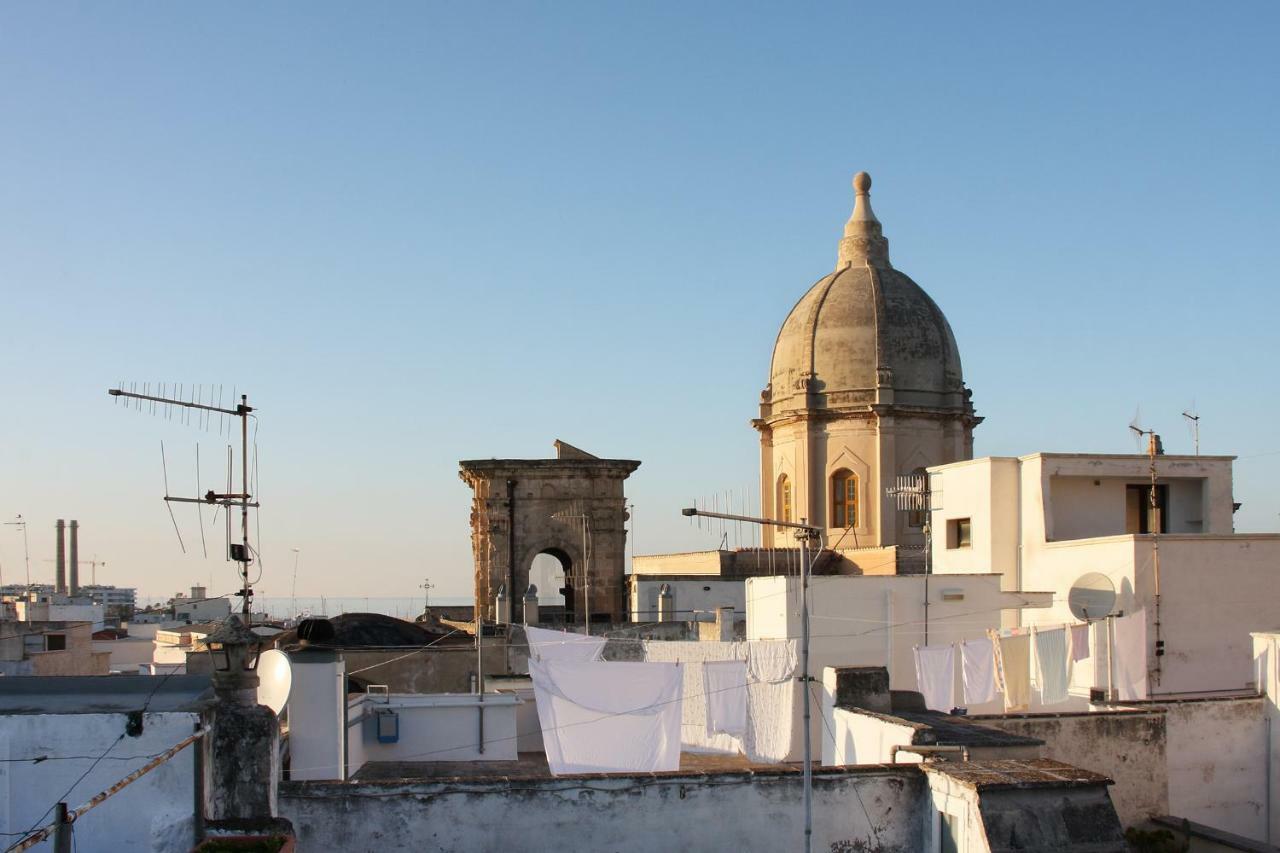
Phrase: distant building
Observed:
(50, 647)
(198, 607)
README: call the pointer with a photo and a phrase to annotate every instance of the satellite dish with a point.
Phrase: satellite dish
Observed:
(275, 677)
(1093, 596)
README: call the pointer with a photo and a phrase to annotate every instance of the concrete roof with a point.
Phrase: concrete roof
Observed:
(956, 730)
(103, 694)
(1007, 774)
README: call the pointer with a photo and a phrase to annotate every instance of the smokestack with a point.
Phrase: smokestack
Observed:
(75, 557)
(60, 579)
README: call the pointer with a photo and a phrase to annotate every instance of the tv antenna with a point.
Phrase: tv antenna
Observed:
(1193, 421)
(1155, 520)
(426, 586)
(239, 552)
(26, 551)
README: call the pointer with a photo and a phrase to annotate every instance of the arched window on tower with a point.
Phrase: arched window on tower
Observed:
(844, 498)
(784, 498)
(915, 518)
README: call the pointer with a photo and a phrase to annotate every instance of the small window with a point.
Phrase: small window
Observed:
(784, 498)
(959, 534)
(844, 499)
(55, 642)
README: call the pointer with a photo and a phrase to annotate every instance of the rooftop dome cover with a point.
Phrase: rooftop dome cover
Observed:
(864, 326)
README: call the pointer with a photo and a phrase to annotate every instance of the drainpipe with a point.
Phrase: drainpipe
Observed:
(927, 750)
(511, 548)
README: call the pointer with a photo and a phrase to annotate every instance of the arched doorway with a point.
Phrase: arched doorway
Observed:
(552, 572)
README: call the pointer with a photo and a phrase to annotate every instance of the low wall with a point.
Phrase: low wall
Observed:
(620, 814)
(1217, 763)
(1128, 746)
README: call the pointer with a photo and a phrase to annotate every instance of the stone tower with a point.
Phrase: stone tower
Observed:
(571, 507)
(865, 384)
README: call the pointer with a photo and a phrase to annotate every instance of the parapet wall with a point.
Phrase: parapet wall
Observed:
(758, 810)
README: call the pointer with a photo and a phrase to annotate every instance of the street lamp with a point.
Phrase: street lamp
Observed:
(234, 650)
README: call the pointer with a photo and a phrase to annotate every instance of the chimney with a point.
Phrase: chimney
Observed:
(1155, 447)
(60, 579)
(75, 557)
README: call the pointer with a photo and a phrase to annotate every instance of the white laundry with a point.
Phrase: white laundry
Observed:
(1051, 658)
(605, 717)
(1130, 650)
(936, 676)
(1079, 642)
(547, 645)
(772, 696)
(1014, 654)
(978, 660)
(725, 688)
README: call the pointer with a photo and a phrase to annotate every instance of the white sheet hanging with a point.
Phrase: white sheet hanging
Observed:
(1130, 666)
(725, 686)
(605, 717)
(772, 696)
(978, 659)
(1079, 642)
(547, 645)
(1051, 661)
(936, 676)
(1014, 657)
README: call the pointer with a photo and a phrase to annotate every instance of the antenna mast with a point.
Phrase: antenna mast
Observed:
(1194, 420)
(237, 551)
(1155, 520)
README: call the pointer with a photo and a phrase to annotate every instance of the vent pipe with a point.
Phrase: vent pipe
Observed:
(60, 579)
(75, 557)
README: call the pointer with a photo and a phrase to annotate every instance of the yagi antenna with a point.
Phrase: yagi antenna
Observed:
(1193, 421)
(239, 552)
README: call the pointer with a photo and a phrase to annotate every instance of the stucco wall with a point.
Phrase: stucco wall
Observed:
(1130, 747)
(1217, 763)
(154, 813)
(673, 811)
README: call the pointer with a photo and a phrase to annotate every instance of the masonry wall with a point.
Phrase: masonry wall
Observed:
(1130, 747)
(1217, 763)
(619, 814)
(154, 813)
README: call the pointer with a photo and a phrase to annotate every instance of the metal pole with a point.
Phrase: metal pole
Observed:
(804, 635)
(244, 499)
(61, 830)
(586, 576)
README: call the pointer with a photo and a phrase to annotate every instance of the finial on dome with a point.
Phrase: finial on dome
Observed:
(863, 240)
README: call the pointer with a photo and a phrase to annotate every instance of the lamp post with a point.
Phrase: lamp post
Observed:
(234, 649)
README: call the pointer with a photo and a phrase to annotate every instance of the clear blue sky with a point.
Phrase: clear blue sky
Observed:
(418, 233)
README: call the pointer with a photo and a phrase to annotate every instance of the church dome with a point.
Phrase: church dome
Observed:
(865, 334)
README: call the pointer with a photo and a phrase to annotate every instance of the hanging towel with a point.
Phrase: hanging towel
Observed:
(725, 686)
(1015, 671)
(603, 717)
(1079, 642)
(936, 676)
(979, 663)
(1051, 659)
(1130, 666)
(547, 645)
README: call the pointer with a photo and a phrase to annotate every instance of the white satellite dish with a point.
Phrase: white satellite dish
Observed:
(1093, 596)
(275, 678)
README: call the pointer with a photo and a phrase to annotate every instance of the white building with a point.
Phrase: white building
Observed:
(1046, 520)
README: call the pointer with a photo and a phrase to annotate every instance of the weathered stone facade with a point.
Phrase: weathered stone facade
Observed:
(525, 507)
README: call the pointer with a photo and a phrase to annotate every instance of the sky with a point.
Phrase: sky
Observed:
(415, 233)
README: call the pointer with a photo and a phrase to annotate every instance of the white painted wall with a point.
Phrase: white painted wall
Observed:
(317, 702)
(442, 727)
(877, 620)
(862, 739)
(154, 813)
(691, 596)
(1217, 764)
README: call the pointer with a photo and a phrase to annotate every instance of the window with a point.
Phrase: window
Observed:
(959, 534)
(784, 498)
(844, 499)
(55, 642)
(1139, 514)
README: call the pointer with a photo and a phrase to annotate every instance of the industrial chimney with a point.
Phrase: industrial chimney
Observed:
(60, 579)
(75, 557)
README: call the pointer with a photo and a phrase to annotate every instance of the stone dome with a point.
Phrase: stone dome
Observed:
(864, 330)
